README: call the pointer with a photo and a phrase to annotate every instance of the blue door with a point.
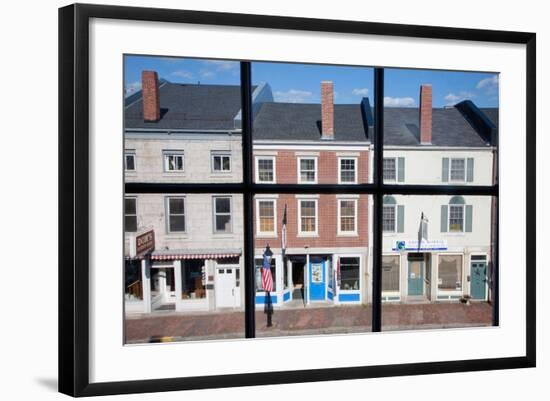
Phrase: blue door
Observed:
(416, 277)
(478, 279)
(317, 279)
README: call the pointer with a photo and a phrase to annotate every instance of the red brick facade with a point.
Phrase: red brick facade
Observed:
(327, 205)
(425, 114)
(151, 96)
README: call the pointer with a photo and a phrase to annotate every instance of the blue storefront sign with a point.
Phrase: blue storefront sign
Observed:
(423, 245)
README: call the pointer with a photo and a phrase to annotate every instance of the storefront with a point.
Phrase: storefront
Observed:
(431, 271)
(314, 278)
(183, 281)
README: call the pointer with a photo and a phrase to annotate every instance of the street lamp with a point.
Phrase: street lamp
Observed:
(267, 283)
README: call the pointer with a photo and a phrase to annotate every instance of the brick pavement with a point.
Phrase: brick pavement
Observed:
(171, 326)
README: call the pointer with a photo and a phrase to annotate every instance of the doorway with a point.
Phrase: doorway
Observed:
(298, 279)
(225, 287)
(478, 280)
(163, 295)
(416, 274)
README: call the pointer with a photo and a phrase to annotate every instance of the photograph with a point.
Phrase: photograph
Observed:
(313, 127)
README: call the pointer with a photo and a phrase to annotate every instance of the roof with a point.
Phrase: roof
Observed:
(302, 121)
(449, 128)
(189, 106)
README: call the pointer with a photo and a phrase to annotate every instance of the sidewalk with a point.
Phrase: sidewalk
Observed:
(167, 327)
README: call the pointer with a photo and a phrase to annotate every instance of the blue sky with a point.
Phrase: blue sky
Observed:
(300, 83)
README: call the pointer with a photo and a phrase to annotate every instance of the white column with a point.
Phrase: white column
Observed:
(306, 281)
(146, 283)
(435, 269)
(177, 282)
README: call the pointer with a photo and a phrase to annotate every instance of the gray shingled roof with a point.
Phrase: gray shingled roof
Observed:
(492, 114)
(185, 106)
(449, 128)
(302, 121)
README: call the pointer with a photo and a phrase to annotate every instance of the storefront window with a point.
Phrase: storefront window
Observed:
(390, 273)
(450, 272)
(349, 273)
(259, 263)
(193, 279)
(133, 289)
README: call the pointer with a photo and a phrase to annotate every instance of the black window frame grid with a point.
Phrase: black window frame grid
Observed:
(248, 188)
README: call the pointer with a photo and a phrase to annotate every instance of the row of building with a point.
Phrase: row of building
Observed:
(185, 252)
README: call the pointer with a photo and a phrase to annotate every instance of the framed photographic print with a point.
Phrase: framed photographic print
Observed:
(249, 199)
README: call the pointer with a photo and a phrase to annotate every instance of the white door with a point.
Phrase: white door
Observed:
(225, 287)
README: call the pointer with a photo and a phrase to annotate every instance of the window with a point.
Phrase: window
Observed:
(133, 287)
(176, 214)
(347, 216)
(308, 217)
(307, 170)
(130, 160)
(259, 264)
(349, 274)
(193, 279)
(388, 218)
(458, 170)
(265, 170)
(348, 168)
(221, 162)
(173, 161)
(390, 169)
(130, 215)
(266, 216)
(456, 218)
(222, 214)
(450, 272)
(390, 273)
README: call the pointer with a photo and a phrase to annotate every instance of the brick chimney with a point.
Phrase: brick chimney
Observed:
(150, 93)
(327, 110)
(425, 114)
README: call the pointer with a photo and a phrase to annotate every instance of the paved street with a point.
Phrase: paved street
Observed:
(171, 326)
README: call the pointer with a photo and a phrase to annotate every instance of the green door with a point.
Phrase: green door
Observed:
(416, 277)
(478, 280)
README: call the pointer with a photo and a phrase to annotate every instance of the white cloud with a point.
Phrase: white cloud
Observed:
(292, 96)
(222, 65)
(398, 101)
(182, 74)
(206, 73)
(453, 98)
(360, 91)
(132, 88)
(489, 84)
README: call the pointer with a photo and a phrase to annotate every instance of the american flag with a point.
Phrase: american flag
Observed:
(267, 279)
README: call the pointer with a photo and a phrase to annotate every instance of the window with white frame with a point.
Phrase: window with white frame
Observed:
(390, 169)
(450, 272)
(349, 273)
(222, 214)
(130, 215)
(174, 161)
(456, 218)
(130, 160)
(221, 162)
(457, 170)
(390, 273)
(266, 209)
(307, 170)
(265, 169)
(348, 170)
(308, 216)
(388, 218)
(175, 214)
(347, 213)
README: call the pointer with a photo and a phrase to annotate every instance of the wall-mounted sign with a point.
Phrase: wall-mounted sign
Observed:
(424, 245)
(142, 244)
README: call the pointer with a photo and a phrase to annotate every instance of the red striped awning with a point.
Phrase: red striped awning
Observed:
(175, 256)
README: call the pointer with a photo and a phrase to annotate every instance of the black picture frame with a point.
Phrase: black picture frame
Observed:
(74, 198)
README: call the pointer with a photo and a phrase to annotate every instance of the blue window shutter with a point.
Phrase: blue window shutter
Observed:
(400, 169)
(469, 216)
(470, 169)
(444, 218)
(445, 170)
(400, 218)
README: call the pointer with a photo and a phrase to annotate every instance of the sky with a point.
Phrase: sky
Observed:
(300, 83)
